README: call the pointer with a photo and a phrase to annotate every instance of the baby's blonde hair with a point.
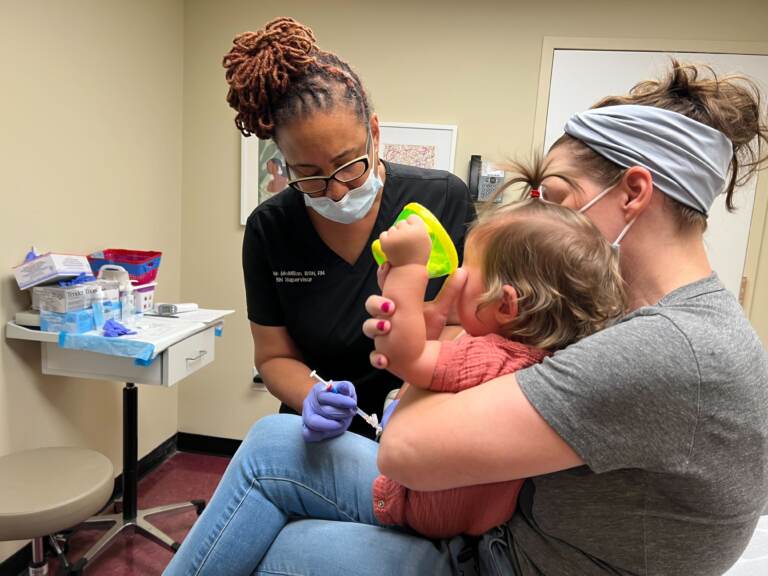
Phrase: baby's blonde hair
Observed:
(565, 273)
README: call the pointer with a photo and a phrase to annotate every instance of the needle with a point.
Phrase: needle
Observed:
(372, 419)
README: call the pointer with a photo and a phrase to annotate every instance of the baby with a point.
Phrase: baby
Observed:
(539, 277)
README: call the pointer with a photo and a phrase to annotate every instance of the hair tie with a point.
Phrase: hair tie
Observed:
(535, 193)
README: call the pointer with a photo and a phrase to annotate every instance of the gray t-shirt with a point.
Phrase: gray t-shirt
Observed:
(669, 411)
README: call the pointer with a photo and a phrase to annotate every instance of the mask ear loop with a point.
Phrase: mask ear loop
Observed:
(615, 245)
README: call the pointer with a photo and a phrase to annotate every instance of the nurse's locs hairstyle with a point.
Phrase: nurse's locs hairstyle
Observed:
(278, 73)
(565, 273)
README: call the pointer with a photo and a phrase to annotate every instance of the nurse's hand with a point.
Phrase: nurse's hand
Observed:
(326, 414)
(435, 312)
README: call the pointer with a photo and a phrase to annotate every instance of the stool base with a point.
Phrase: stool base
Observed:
(139, 525)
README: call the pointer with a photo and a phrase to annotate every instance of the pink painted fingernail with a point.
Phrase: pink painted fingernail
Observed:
(385, 307)
(381, 325)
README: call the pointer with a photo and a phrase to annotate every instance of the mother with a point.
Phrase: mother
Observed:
(645, 445)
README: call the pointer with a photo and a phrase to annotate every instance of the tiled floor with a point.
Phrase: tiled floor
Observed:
(184, 476)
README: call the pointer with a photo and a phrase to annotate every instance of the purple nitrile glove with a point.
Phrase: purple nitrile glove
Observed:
(388, 412)
(328, 413)
(113, 329)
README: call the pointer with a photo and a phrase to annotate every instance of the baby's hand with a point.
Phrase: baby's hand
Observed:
(407, 242)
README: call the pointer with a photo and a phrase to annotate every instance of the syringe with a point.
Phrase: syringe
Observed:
(372, 419)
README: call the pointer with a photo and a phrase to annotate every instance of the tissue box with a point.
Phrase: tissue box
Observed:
(71, 298)
(49, 268)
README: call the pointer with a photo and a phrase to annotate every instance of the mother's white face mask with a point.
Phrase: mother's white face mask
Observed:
(354, 206)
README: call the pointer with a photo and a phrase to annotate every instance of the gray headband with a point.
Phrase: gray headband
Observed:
(689, 160)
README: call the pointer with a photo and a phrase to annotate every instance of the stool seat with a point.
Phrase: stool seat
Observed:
(47, 490)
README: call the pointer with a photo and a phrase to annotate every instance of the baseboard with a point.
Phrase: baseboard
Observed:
(186, 442)
(17, 563)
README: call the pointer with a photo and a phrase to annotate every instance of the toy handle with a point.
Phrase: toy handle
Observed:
(443, 259)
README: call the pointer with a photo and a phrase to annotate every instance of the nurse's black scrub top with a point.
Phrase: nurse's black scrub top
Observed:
(293, 279)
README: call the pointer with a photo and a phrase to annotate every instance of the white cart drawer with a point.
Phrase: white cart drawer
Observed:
(188, 356)
(84, 364)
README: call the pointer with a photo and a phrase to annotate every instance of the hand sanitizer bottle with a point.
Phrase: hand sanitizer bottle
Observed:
(98, 308)
(127, 305)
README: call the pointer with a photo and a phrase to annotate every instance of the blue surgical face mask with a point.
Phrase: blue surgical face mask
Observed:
(354, 206)
(595, 200)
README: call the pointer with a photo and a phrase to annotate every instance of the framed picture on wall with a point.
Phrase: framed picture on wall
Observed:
(422, 145)
(262, 173)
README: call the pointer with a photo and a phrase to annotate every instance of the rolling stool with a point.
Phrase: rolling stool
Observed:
(48, 490)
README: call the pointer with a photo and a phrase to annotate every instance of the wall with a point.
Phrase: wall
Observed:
(91, 145)
(90, 157)
(474, 64)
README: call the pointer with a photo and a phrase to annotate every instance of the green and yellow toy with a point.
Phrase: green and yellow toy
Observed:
(443, 260)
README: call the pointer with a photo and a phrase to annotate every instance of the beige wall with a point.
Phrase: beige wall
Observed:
(90, 157)
(474, 64)
(91, 146)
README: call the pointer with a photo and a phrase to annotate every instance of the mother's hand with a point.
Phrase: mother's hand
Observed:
(436, 312)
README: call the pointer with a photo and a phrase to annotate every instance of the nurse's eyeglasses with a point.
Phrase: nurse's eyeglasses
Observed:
(315, 186)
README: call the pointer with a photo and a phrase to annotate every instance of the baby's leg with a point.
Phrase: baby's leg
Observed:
(468, 510)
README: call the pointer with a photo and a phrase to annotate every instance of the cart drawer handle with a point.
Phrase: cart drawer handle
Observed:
(200, 354)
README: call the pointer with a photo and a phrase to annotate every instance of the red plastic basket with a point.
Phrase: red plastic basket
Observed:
(141, 265)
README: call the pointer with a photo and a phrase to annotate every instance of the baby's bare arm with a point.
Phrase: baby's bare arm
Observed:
(410, 355)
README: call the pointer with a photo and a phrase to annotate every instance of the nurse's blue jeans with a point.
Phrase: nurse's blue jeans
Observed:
(295, 509)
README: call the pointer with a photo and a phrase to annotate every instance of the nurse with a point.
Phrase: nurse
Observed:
(306, 252)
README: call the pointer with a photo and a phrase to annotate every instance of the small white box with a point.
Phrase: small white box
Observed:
(50, 267)
(145, 297)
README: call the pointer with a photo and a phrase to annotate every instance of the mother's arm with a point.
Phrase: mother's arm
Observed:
(490, 433)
